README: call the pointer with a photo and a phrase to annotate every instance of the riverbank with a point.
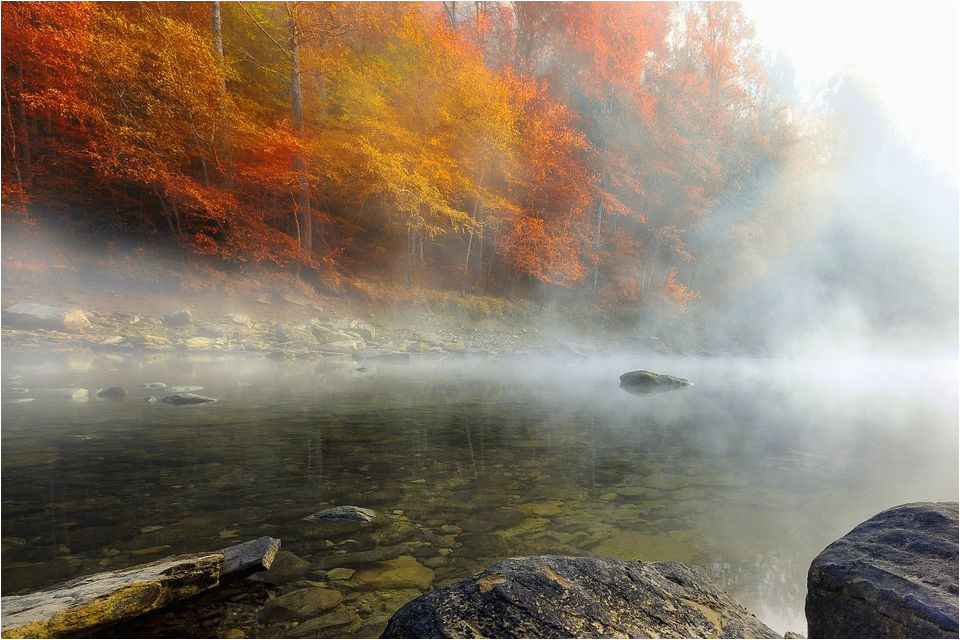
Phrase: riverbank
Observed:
(286, 326)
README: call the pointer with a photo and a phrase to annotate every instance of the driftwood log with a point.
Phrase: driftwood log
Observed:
(89, 602)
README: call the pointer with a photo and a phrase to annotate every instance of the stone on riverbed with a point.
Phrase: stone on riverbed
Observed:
(30, 315)
(348, 513)
(601, 597)
(187, 398)
(103, 598)
(644, 382)
(893, 576)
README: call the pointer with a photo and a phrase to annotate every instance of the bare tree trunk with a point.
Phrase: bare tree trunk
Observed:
(299, 163)
(223, 143)
(11, 138)
(23, 135)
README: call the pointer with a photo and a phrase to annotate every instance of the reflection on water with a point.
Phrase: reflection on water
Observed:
(749, 473)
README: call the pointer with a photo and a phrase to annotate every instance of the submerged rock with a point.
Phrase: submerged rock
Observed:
(601, 597)
(77, 395)
(29, 315)
(91, 601)
(893, 576)
(644, 382)
(112, 393)
(187, 398)
(403, 572)
(347, 513)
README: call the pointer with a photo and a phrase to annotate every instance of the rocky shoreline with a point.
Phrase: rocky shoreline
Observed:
(319, 335)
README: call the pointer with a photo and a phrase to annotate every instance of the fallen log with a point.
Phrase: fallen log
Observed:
(246, 558)
(97, 600)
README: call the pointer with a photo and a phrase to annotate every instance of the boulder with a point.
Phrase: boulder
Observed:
(179, 318)
(893, 576)
(92, 601)
(566, 597)
(29, 315)
(644, 382)
(348, 513)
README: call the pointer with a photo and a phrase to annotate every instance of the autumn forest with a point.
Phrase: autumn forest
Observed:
(487, 147)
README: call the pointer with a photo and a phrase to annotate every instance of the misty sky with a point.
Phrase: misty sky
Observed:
(907, 51)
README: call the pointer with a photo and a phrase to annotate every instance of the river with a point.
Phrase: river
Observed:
(749, 473)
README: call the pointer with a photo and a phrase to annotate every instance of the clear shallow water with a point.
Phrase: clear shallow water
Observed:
(749, 473)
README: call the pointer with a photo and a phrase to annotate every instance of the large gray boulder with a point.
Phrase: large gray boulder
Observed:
(565, 597)
(644, 382)
(30, 315)
(893, 576)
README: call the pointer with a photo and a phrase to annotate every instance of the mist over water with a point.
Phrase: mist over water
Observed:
(750, 472)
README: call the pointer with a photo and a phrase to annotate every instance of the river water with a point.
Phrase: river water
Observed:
(749, 473)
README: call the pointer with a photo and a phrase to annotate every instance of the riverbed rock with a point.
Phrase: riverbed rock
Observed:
(893, 576)
(644, 382)
(347, 513)
(30, 315)
(286, 567)
(92, 601)
(302, 602)
(187, 398)
(567, 597)
(403, 572)
(179, 318)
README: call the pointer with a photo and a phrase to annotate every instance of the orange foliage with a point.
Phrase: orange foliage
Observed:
(507, 142)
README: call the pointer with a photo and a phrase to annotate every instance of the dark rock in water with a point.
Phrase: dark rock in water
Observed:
(180, 318)
(89, 602)
(112, 393)
(347, 513)
(241, 560)
(187, 398)
(565, 597)
(643, 382)
(893, 576)
(361, 369)
(30, 315)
